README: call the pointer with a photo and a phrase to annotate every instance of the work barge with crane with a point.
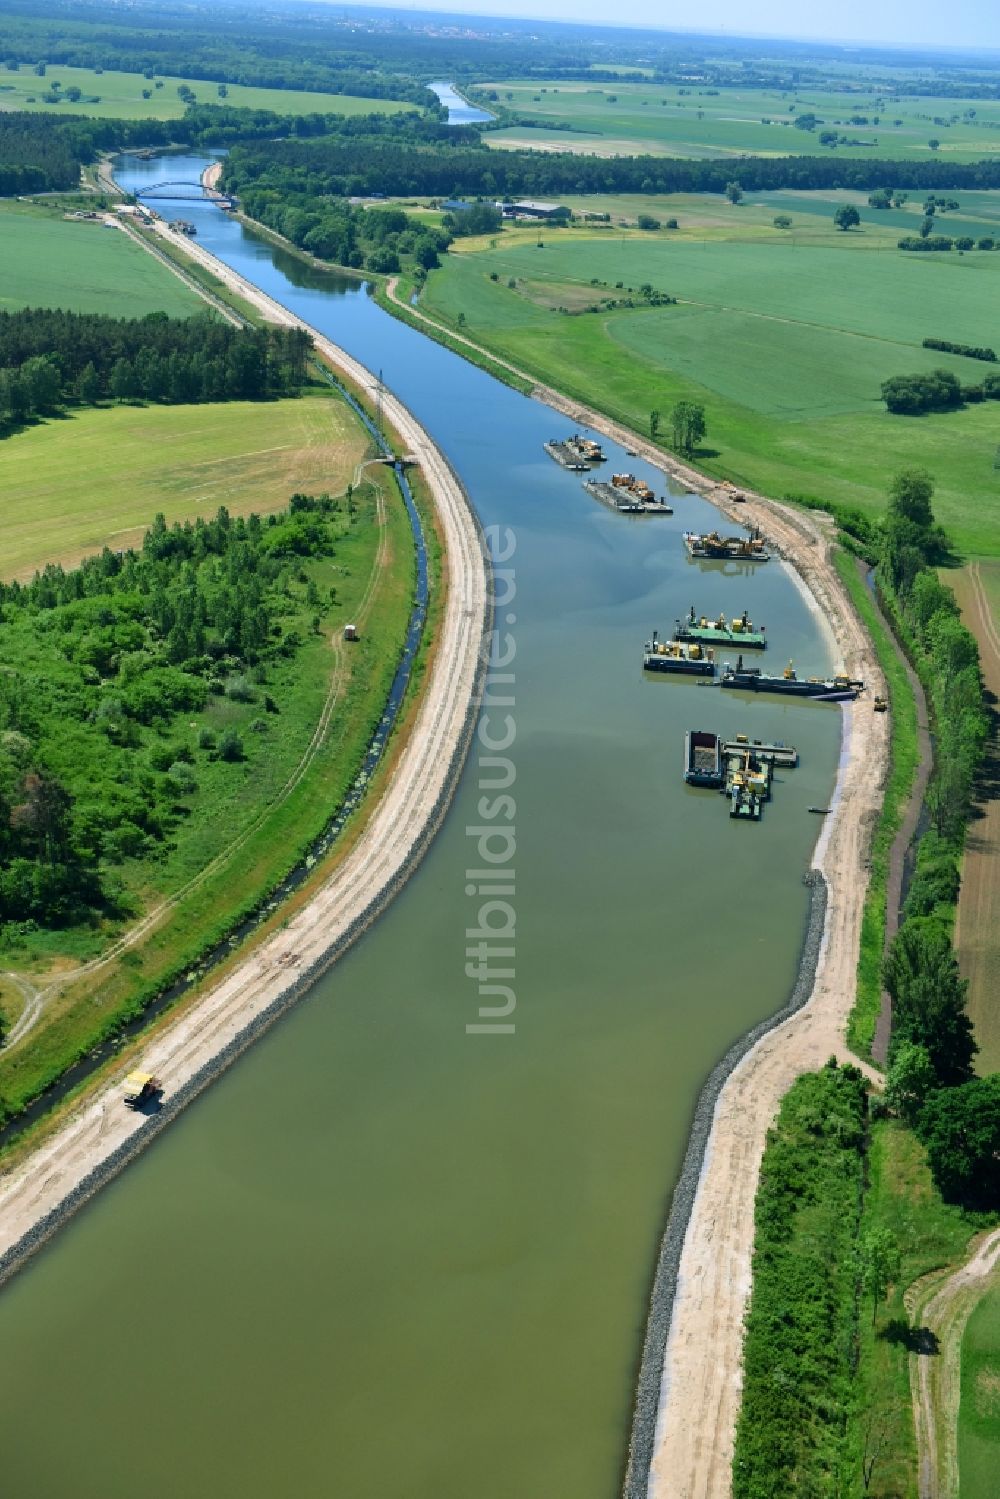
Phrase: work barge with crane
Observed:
(741, 769)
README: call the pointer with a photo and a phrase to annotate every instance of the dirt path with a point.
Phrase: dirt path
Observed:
(100, 1134)
(977, 926)
(700, 1392)
(943, 1306)
(907, 828)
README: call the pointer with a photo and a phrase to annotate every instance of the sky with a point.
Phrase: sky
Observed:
(919, 23)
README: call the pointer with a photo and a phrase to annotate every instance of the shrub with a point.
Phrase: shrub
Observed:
(230, 746)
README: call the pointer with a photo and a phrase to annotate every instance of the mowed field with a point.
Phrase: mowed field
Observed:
(98, 477)
(700, 121)
(119, 96)
(785, 342)
(50, 261)
(979, 1411)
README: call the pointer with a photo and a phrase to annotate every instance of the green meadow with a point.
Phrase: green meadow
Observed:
(785, 342)
(979, 1409)
(52, 261)
(97, 477)
(122, 96)
(701, 121)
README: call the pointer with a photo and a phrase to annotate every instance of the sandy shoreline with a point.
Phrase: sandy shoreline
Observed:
(701, 1376)
(101, 1135)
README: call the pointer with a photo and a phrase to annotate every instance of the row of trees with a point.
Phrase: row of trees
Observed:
(49, 358)
(969, 351)
(106, 665)
(930, 1082)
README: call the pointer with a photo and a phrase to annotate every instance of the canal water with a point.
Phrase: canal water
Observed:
(383, 1256)
(459, 111)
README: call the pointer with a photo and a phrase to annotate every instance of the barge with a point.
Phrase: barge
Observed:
(702, 759)
(565, 457)
(718, 548)
(624, 501)
(576, 452)
(722, 631)
(836, 689)
(673, 656)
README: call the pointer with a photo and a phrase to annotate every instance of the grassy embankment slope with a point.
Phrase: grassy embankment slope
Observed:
(786, 345)
(119, 96)
(52, 261)
(635, 117)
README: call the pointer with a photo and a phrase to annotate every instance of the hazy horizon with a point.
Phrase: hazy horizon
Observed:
(897, 23)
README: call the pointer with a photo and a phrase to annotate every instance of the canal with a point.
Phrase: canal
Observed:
(384, 1256)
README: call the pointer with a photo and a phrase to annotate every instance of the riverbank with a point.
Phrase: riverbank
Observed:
(101, 1136)
(700, 1379)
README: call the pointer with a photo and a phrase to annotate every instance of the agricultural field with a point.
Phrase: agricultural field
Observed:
(979, 1410)
(977, 928)
(785, 341)
(623, 119)
(97, 477)
(122, 96)
(52, 261)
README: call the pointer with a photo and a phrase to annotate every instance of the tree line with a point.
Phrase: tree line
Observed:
(50, 358)
(45, 152)
(365, 164)
(107, 663)
(932, 1050)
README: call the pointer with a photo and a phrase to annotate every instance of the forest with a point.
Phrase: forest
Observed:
(50, 358)
(103, 664)
(370, 164)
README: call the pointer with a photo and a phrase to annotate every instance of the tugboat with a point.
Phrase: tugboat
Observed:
(836, 689)
(722, 631)
(672, 656)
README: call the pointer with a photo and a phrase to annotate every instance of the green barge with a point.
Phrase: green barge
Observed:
(722, 631)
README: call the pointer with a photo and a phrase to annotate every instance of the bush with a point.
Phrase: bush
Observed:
(230, 746)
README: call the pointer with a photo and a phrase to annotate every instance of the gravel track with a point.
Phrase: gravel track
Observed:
(101, 1135)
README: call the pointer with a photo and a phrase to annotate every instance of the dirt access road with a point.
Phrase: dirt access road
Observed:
(101, 1133)
(700, 1390)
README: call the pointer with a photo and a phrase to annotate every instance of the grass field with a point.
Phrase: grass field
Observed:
(785, 342)
(51, 261)
(979, 1411)
(119, 96)
(629, 118)
(98, 477)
